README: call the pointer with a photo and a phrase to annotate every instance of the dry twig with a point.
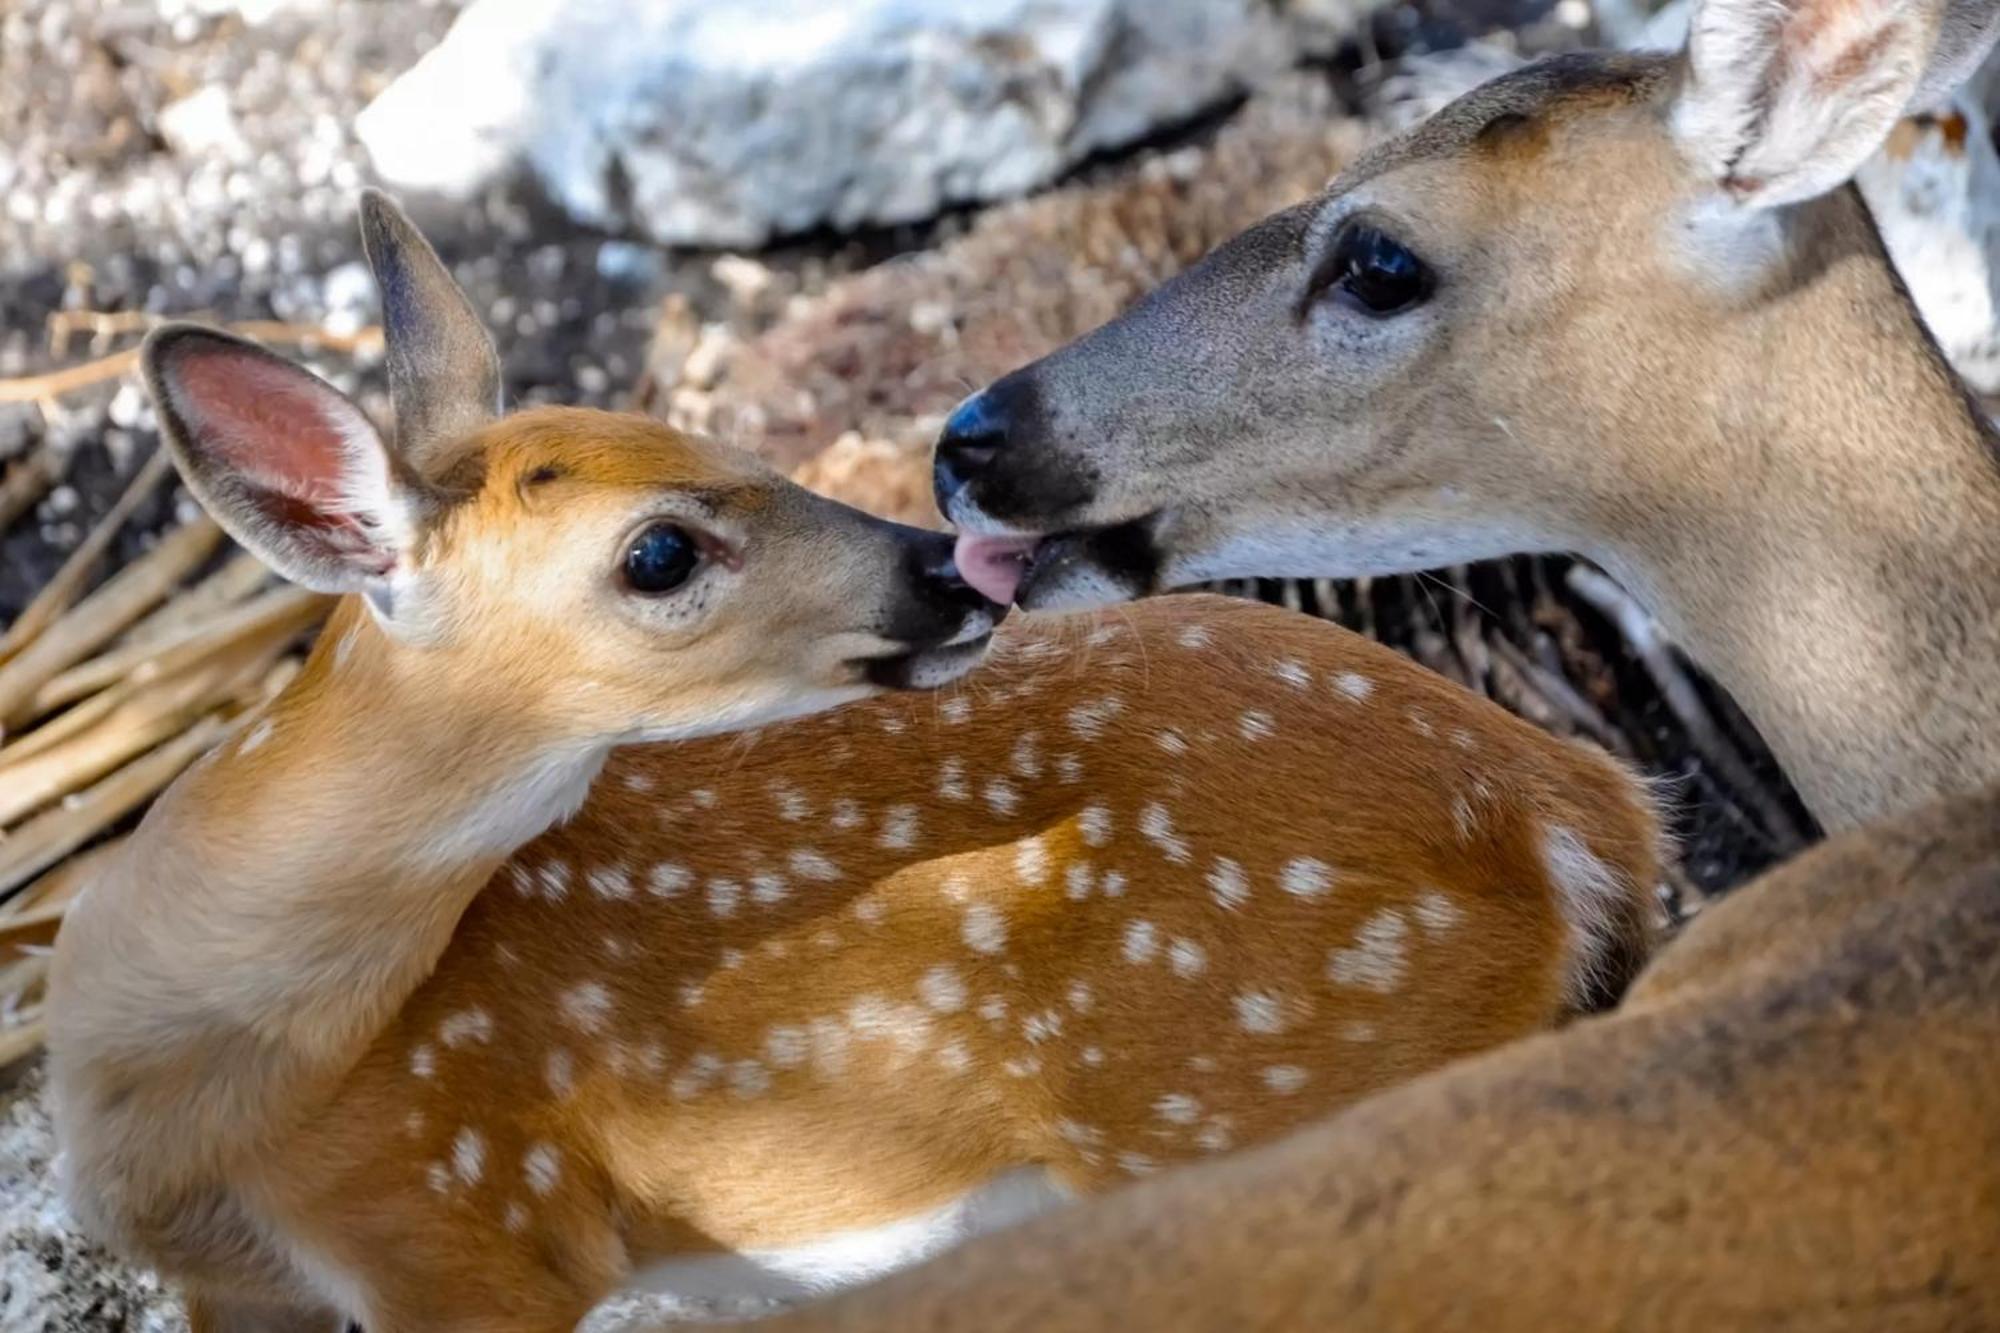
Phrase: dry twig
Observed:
(48, 838)
(55, 383)
(128, 594)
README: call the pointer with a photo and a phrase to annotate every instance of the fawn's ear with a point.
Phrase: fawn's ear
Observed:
(286, 463)
(1782, 100)
(444, 376)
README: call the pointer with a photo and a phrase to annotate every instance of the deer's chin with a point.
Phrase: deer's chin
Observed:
(927, 668)
(1094, 567)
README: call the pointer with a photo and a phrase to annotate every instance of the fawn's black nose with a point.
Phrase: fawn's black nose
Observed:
(972, 439)
(942, 586)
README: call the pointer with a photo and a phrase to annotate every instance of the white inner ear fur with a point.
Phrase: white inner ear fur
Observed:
(370, 492)
(1784, 101)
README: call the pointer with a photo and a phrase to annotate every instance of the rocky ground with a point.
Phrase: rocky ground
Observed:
(197, 158)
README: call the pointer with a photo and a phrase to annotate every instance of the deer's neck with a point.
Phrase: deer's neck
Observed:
(286, 896)
(1817, 520)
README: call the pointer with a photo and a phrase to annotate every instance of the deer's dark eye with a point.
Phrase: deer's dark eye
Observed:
(661, 559)
(1373, 272)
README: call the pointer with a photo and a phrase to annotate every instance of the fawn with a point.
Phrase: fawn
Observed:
(480, 976)
(1623, 305)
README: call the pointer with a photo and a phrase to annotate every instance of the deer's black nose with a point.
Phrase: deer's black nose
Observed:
(936, 575)
(973, 437)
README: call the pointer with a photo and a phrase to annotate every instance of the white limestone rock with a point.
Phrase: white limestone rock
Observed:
(727, 124)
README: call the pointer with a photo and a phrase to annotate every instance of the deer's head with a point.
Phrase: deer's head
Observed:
(1480, 337)
(589, 576)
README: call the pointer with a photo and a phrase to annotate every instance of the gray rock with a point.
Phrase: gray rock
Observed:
(726, 125)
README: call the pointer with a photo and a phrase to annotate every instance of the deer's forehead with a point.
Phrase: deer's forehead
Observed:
(1510, 119)
(572, 459)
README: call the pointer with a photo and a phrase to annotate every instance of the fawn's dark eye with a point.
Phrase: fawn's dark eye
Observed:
(660, 559)
(1371, 271)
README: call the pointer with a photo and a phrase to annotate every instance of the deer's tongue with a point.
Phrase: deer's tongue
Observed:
(994, 565)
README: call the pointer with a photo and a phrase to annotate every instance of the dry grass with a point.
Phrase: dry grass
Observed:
(108, 692)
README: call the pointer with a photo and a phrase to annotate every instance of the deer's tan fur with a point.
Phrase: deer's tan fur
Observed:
(1790, 1121)
(330, 1041)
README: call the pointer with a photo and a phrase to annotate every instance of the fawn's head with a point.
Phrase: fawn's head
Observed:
(1461, 348)
(590, 576)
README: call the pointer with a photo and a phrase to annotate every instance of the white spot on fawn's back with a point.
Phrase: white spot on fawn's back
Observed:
(468, 1156)
(1436, 913)
(1158, 827)
(1293, 673)
(955, 711)
(668, 880)
(1177, 1108)
(1088, 720)
(1027, 762)
(951, 780)
(942, 989)
(423, 1061)
(1256, 725)
(1193, 636)
(1137, 1164)
(1094, 825)
(899, 828)
(1260, 1012)
(542, 1168)
(611, 882)
(792, 803)
(1031, 861)
(748, 1078)
(1187, 958)
(786, 1047)
(1076, 880)
(1305, 877)
(1227, 882)
(983, 930)
(1376, 960)
(1001, 798)
(767, 888)
(723, 895)
(1038, 1028)
(1354, 685)
(809, 864)
(585, 1006)
(1141, 942)
(468, 1025)
(1284, 1079)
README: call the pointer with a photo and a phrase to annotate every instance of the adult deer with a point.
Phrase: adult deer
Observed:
(1620, 306)
(1623, 305)
(422, 1006)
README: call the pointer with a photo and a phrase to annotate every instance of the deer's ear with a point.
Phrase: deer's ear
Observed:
(1782, 100)
(444, 375)
(286, 463)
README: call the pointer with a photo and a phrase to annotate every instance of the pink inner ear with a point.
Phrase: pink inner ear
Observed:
(274, 425)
